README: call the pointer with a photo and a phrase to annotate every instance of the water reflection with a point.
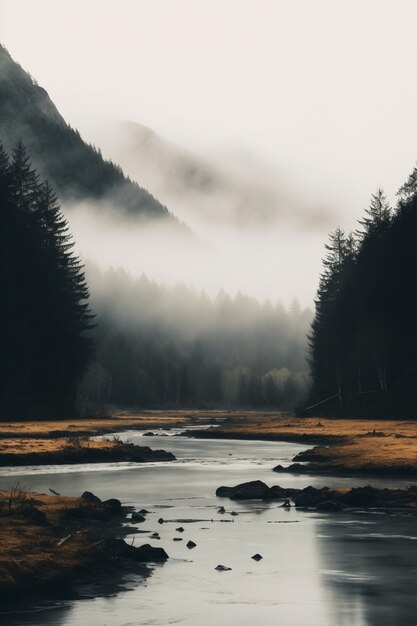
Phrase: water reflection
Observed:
(369, 569)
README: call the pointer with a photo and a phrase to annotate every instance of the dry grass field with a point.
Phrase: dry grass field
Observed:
(369, 446)
(42, 541)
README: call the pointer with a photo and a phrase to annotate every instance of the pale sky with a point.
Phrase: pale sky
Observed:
(324, 91)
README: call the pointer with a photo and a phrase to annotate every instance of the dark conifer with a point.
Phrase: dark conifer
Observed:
(46, 316)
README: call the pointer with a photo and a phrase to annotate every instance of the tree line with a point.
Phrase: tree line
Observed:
(363, 337)
(159, 346)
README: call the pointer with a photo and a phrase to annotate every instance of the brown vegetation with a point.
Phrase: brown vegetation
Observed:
(46, 540)
(15, 452)
(96, 426)
(348, 446)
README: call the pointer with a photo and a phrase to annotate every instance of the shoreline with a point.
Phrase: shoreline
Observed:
(341, 447)
(73, 450)
(52, 542)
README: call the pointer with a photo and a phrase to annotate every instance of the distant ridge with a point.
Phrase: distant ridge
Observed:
(76, 169)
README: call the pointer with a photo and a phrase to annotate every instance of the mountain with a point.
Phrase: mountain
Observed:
(235, 189)
(76, 169)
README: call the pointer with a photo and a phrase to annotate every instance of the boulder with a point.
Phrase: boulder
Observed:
(113, 506)
(277, 493)
(149, 554)
(253, 490)
(310, 497)
(137, 517)
(223, 492)
(361, 496)
(190, 545)
(180, 529)
(223, 568)
(89, 497)
(257, 557)
(177, 539)
(161, 520)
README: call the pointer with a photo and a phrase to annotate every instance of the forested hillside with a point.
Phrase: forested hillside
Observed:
(363, 340)
(44, 315)
(171, 346)
(76, 170)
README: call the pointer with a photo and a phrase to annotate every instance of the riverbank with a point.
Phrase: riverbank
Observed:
(84, 427)
(49, 542)
(19, 452)
(346, 447)
(59, 442)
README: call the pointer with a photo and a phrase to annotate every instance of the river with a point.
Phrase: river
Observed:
(353, 569)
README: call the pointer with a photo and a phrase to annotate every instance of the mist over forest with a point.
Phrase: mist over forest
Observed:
(174, 346)
(195, 305)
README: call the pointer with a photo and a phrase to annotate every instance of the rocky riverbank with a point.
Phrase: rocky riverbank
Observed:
(51, 542)
(325, 499)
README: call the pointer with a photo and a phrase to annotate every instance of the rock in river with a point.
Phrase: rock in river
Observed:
(244, 491)
(89, 497)
(113, 506)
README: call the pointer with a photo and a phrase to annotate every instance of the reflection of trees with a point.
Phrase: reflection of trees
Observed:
(56, 611)
(370, 577)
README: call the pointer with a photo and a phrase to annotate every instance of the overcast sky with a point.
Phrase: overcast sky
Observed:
(324, 91)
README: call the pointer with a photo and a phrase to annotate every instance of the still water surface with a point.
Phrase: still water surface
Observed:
(353, 569)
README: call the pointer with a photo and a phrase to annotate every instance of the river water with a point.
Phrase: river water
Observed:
(353, 569)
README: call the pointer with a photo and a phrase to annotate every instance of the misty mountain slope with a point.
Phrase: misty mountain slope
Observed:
(236, 191)
(76, 169)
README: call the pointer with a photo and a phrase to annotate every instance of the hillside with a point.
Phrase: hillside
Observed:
(76, 169)
(238, 191)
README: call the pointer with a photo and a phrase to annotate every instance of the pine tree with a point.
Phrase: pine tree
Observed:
(408, 190)
(363, 338)
(327, 338)
(46, 313)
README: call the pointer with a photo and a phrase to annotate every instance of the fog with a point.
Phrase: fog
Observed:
(290, 114)
(247, 231)
(324, 90)
(265, 263)
(158, 345)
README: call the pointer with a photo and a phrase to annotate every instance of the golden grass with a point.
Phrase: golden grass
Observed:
(387, 454)
(40, 446)
(285, 424)
(29, 553)
(118, 421)
(365, 445)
